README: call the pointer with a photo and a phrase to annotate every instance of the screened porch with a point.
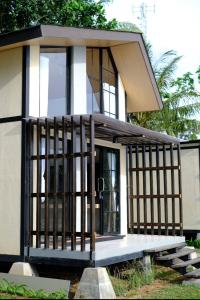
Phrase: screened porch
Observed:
(62, 189)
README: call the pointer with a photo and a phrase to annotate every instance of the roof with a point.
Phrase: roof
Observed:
(116, 131)
(128, 50)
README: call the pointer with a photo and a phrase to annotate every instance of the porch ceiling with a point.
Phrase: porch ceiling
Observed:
(116, 131)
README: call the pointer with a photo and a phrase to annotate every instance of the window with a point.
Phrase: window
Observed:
(93, 81)
(53, 82)
(102, 90)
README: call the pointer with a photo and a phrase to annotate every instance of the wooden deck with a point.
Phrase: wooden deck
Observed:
(109, 252)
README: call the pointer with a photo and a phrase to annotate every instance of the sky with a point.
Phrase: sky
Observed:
(173, 25)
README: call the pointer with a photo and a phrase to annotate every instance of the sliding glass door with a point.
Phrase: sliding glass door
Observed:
(108, 191)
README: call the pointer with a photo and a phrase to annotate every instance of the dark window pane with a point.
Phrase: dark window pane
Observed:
(109, 86)
(107, 64)
(53, 81)
(107, 181)
(111, 222)
(93, 81)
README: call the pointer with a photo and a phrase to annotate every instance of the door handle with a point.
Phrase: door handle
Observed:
(101, 184)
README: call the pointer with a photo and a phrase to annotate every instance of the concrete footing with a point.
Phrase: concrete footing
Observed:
(146, 264)
(24, 269)
(95, 284)
(192, 282)
(192, 255)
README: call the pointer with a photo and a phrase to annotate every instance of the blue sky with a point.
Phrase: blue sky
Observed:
(174, 25)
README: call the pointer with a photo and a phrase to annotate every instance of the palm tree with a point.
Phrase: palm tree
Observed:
(181, 101)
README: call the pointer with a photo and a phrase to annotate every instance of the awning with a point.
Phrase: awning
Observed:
(124, 133)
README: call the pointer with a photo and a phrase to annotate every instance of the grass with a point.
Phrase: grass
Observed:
(176, 291)
(128, 277)
(11, 289)
(164, 283)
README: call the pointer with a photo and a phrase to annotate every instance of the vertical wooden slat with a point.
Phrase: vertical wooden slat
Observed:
(65, 165)
(38, 211)
(151, 189)
(31, 143)
(172, 189)
(165, 190)
(55, 203)
(92, 186)
(73, 206)
(131, 206)
(47, 152)
(144, 187)
(158, 188)
(180, 189)
(83, 170)
(137, 188)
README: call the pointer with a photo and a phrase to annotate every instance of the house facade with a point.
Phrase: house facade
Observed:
(73, 171)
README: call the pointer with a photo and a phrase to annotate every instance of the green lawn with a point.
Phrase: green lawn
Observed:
(176, 291)
(164, 283)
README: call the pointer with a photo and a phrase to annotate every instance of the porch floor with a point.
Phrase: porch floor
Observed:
(131, 247)
(112, 251)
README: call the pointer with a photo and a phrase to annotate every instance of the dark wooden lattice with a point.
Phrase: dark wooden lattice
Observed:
(57, 147)
(155, 197)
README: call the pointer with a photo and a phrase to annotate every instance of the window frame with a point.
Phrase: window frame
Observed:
(68, 74)
(102, 110)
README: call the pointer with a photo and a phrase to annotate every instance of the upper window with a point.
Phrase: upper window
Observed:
(102, 96)
(53, 81)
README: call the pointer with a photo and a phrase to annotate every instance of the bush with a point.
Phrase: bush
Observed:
(193, 243)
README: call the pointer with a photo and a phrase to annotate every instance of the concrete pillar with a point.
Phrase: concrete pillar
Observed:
(146, 264)
(95, 284)
(23, 269)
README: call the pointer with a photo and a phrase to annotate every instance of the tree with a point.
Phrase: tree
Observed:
(19, 14)
(128, 26)
(181, 101)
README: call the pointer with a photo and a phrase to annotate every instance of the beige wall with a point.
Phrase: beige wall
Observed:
(122, 100)
(191, 188)
(11, 83)
(10, 188)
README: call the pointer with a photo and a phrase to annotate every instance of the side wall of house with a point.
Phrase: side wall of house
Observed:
(190, 159)
(190, 173)
(10, 151)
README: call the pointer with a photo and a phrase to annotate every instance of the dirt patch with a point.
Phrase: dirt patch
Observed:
(147, 289)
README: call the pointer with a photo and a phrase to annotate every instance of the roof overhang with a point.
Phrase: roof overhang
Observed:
(128, 50)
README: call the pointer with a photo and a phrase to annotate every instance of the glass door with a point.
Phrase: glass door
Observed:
(108, 191)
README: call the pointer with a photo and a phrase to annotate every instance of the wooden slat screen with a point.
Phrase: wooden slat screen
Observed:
(155, 196)
(58, 192)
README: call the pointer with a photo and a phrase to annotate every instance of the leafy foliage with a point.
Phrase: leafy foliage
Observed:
(128, 26)
(22, 290)
(181, 100)
(194, 243)
(19, 14)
